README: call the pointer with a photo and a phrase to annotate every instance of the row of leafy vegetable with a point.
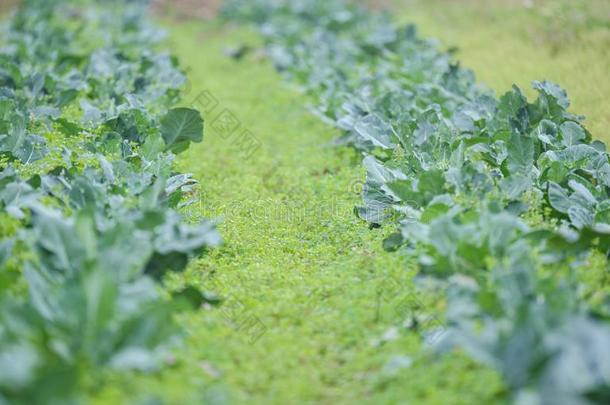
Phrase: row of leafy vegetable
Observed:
(90, 201)
(504, 199)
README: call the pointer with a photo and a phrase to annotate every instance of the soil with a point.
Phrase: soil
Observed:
(207, 9)
(187, 9)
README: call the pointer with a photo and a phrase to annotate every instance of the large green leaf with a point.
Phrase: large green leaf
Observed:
(521, 149)
(179, 127)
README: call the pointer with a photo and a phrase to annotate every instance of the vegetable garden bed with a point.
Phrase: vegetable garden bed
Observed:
(481, 275)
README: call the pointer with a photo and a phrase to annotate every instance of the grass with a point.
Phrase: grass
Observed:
(298, 270)
(505, 42)
(310, 299)
(295, 258)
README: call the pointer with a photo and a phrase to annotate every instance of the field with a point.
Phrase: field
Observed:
(511, 43)
(349, 272)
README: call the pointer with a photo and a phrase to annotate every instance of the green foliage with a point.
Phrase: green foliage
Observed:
(181, 126)
(93, 199)
(461, 171)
